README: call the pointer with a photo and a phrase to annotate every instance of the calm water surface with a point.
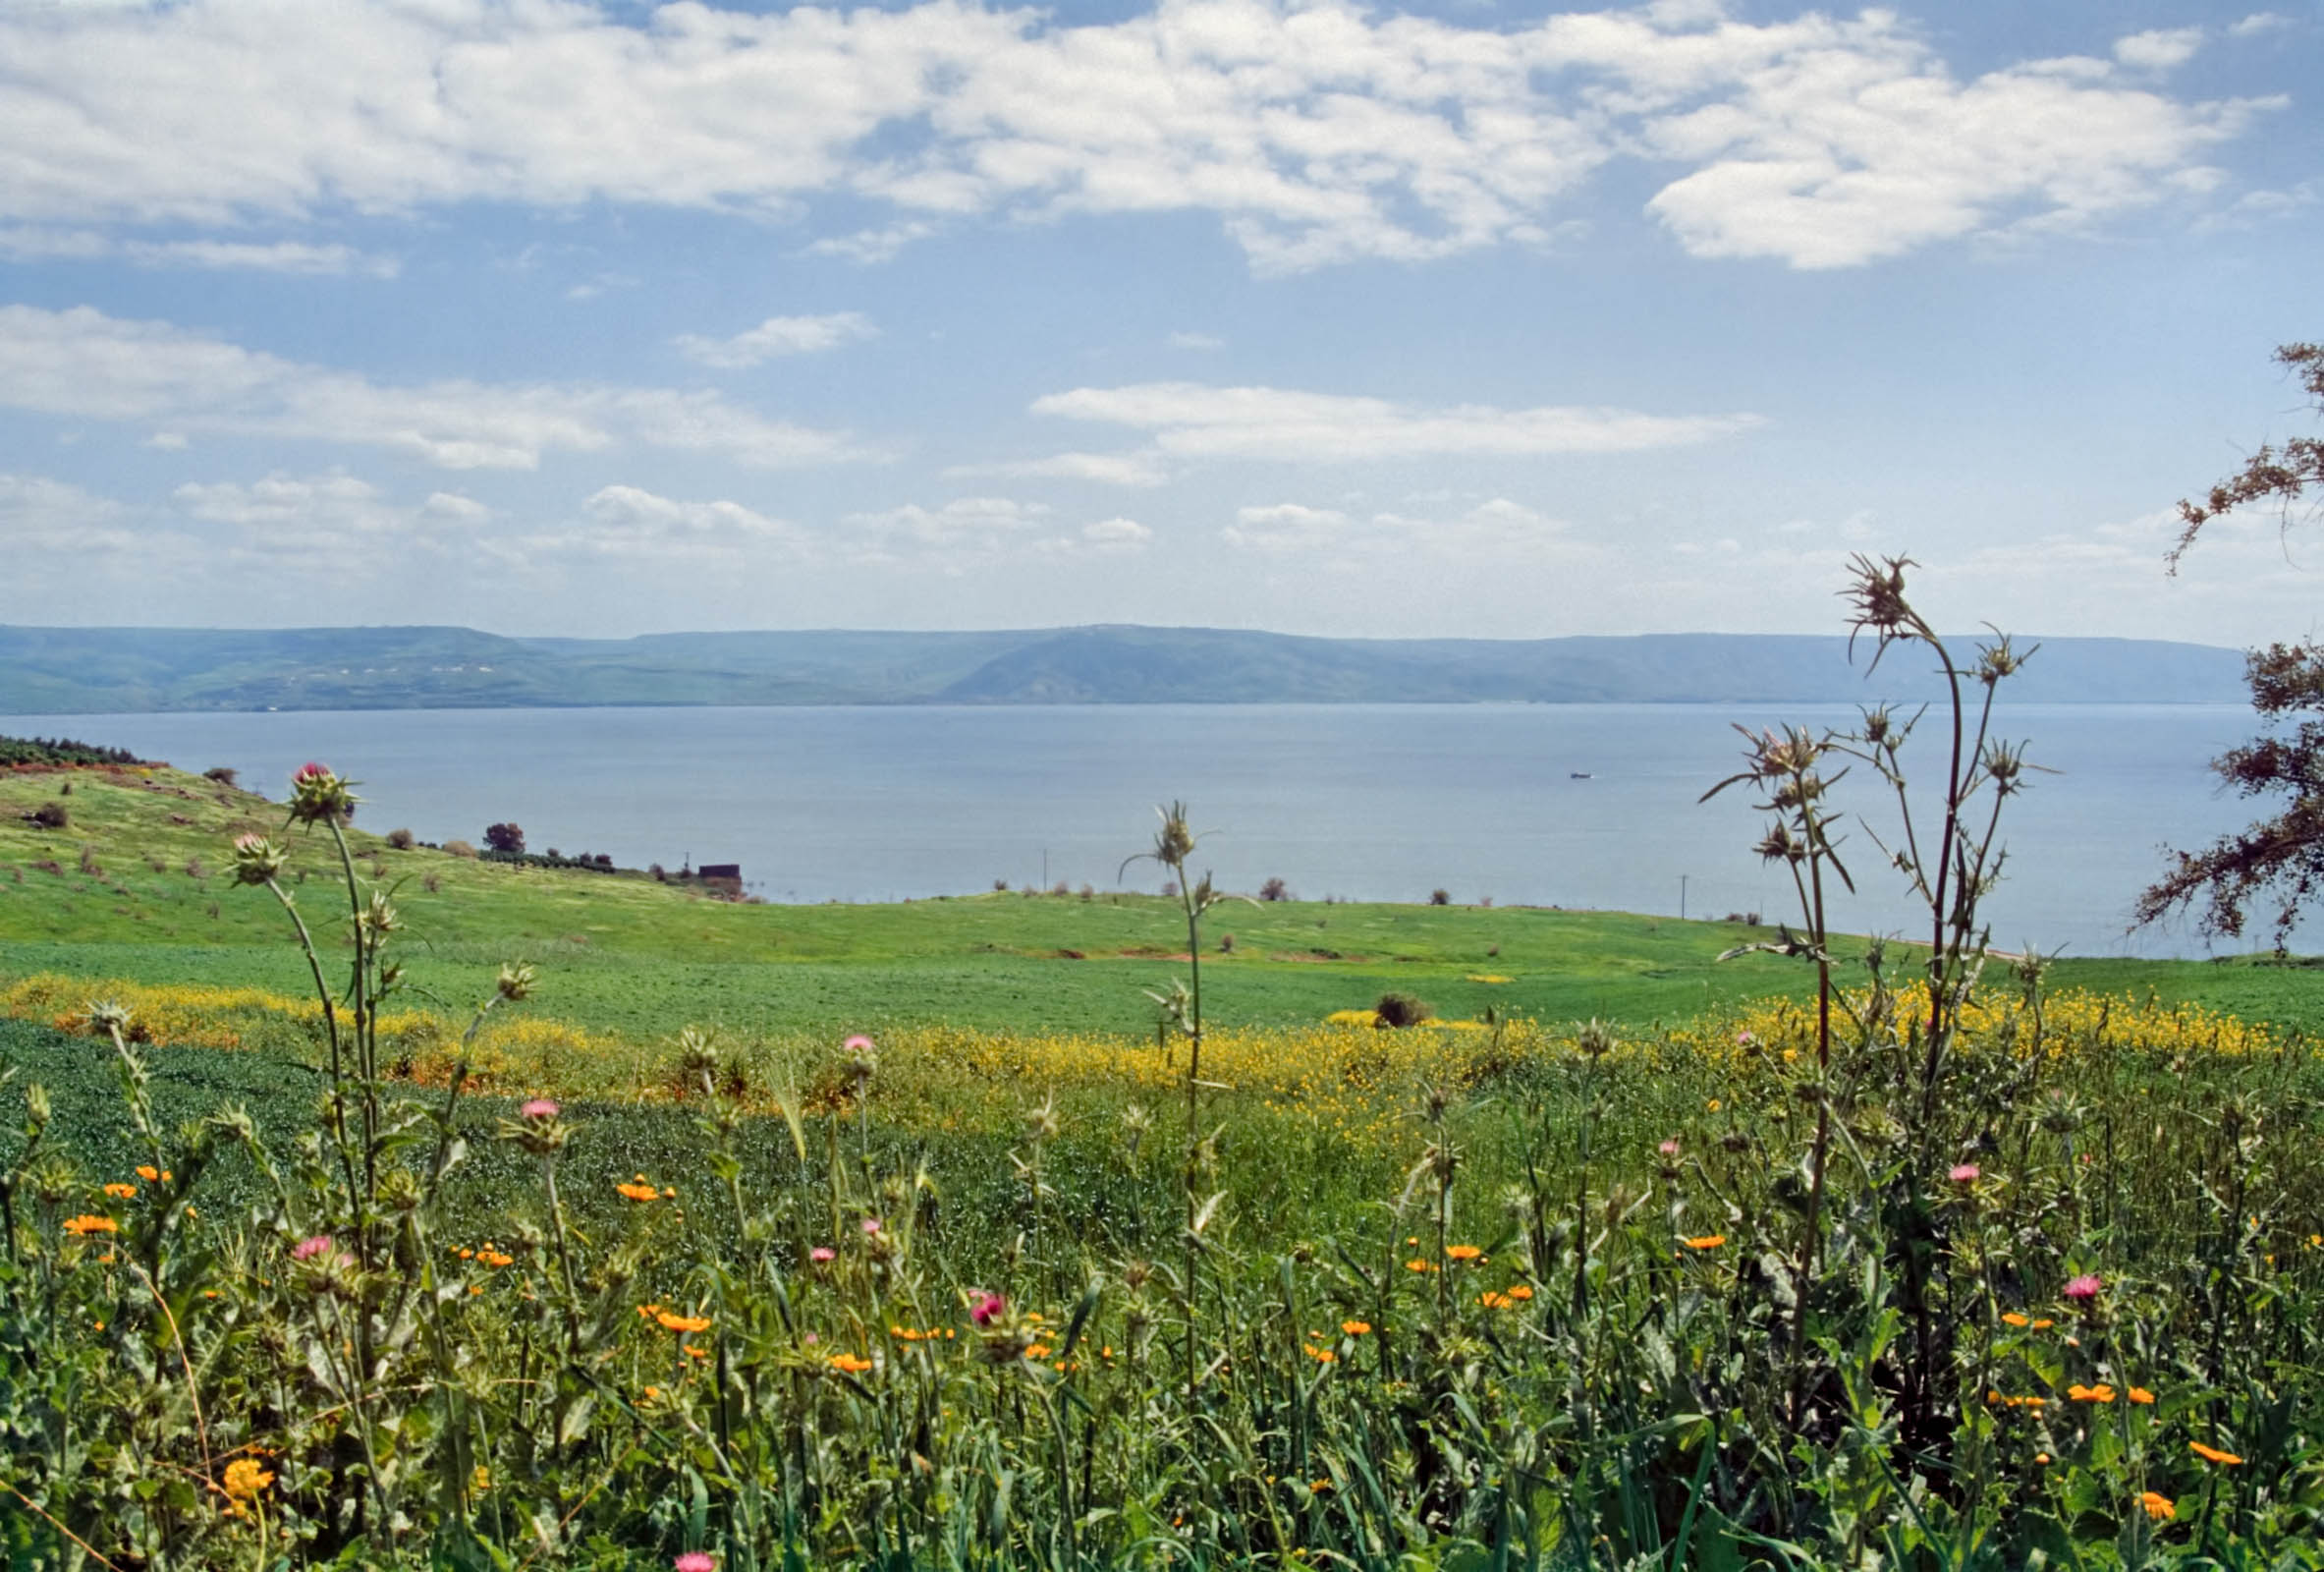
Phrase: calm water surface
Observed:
(1368, 802)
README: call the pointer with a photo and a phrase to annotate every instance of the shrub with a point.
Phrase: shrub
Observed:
(505, 838)
(1000, 887)
(661, 874)
(88, 860)
(458, 848)
(1401, 1009)
(400, 839)
(1440, 897)
(52, 816)
(1060, 888)
(194, 868)
(1274, 891)
(1226, 944)
(431, 883)
(223, 774)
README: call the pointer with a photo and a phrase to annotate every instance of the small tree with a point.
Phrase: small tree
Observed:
(504, 838)
(2280, 857)
(1275, 890)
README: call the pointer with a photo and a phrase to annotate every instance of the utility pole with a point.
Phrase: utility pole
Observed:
(1682, 897)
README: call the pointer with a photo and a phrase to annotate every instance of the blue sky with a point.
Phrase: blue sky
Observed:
(1467, 319)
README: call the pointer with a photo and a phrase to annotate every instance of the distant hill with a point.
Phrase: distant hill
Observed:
(54, 671)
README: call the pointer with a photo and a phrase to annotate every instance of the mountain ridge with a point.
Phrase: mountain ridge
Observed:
(52, 671)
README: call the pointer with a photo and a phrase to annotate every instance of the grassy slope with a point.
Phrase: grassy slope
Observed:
(638, 957)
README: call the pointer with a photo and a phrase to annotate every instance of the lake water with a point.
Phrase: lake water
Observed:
(1366, 801)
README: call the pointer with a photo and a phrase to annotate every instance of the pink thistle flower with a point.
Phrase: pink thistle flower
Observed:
(2086, 1286)
(695, 1561)
(812, 1337)
(1670, 1147)
(539, 1109)
(871, 1225)
(987, 1308)
(858, 1043)
(1964, 1173)
(310, 771)
(309, 1249)
(1743, 1039)
(821, 1254)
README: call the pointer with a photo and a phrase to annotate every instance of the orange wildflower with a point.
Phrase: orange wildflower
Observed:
(1520, 1291)
(1356, 1329)
(121, 1192)
(2159, 1507)
(88, 1224)
(1321, 1356)
(2212, 1454)
(1463, 1252)
(852, 1364)
(2100, 1393)
(493, 1258)
(148, 1172)
(2011, 1318)
(1706, 1242)
(2141, 1396)
(639, 1192)
(681, 1324)
(1419, 1265)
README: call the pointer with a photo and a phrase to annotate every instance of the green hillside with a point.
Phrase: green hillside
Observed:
(133, 886)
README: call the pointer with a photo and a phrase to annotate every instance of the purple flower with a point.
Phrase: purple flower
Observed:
(309, 1249)
(1964, 1173)
(987, 1308)
(2086, 1286)
(539, 1109)
(821, 1254)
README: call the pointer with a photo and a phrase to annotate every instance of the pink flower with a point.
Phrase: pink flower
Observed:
(811, 1337)
(858, 1043)
(695, 1561)
(871, 1225)
(1670, 1147)
(539, 1109)
(310, 771)
(2084, 1287)
(1743, 1039)
(987, 1308)
(309, 1249)
(1964, 1173)
(821, 1254)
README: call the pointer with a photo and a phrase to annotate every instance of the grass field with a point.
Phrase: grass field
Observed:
(629, 956)
(1019, 1288)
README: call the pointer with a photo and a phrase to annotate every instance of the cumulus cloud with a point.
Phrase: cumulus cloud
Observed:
(625, 522)
(2159, 48)
(1194, 419)
(778, 336)
(39, 514)
(1117, 535)
(308, 521)
(1316, 132)
(1109, 468)
(1283, 528)
(84, 362)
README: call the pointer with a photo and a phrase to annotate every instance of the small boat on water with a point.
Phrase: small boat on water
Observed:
(1578, 775)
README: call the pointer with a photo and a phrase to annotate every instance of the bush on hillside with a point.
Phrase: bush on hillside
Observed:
(1274, 891)
(52, 816)
(505, 838)
(458, 848)
(400, 839)
(1401, 1009)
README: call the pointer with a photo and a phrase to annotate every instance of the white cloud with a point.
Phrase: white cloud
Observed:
(1497, 526)
(1117, 535)
(1196, 341)
(1316, 132)
(84, 362)
(778, 336)
(1109, 468)
(25, 243)
(2160, 48)
(38, 514)
(1284, 528)
(2257, 22)
(332, 522)
(871, 246)
(1196, 421)
(624, 522)
(962, 528)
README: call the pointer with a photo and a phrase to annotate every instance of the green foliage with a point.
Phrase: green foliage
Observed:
(59, 750)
